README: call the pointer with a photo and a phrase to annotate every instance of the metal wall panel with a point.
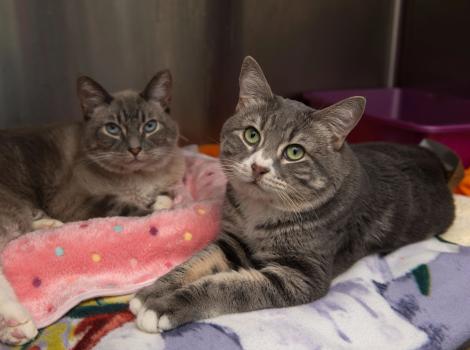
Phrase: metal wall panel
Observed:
(46, 44)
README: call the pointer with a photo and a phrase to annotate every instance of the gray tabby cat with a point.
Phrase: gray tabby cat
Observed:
(122, 160)
(301, 207)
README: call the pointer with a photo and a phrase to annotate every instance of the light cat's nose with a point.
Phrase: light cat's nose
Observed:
(258, 170)
(135, 150)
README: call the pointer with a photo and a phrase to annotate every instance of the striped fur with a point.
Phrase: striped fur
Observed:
(288, 232)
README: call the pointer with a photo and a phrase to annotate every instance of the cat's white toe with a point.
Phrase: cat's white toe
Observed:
(46, 223)
(135, 305)
(16, 326)
(164, 323)
(163, 202)
(147, 320)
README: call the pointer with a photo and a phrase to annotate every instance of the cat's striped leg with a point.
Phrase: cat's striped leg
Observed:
(208, 261)
(231, 292)
(249, 282)
(226, 253)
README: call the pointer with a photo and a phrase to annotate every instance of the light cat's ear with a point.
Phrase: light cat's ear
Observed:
(159, 89)
(254, 87)
(91, 95)
(342, 117)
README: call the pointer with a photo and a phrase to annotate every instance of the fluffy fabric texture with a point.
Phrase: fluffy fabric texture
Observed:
(413, 298)
(53, 270)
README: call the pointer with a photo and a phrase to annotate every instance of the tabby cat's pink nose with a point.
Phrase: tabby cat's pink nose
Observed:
(258, 170)
(135, 150)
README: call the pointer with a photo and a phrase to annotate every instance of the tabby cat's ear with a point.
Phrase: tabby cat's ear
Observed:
(254, 87)
(91, 95)
(159, 89)
(342, 117)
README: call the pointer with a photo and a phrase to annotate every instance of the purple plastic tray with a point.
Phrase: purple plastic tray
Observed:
(406, 116)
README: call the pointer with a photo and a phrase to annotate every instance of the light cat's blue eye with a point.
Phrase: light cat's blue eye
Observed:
(251, 135)
(150, 126)
(294, 152)
(113, 128)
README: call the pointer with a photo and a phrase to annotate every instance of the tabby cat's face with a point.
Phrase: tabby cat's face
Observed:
(281, 151)
(128, 131)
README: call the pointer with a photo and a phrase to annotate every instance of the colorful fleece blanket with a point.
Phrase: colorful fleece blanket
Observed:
(415, 298)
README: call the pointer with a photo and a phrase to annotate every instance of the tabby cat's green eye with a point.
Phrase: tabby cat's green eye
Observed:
(251, 135)
(294, 152)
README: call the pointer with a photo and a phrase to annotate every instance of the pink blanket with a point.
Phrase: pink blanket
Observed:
(53, 270)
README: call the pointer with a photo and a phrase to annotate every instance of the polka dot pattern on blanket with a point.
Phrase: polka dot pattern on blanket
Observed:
(53, 270)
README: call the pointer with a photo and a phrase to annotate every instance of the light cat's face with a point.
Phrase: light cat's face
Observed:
(280, 151)
(128, 131)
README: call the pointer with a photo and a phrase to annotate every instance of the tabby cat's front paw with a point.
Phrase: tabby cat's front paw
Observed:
(155, 291)
(165, 313)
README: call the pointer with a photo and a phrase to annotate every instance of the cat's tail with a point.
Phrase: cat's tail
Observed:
(450, 160)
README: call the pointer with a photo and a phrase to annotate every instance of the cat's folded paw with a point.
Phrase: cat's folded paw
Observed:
(16, 325)
(165, 313)
(154, 291)
(162, 202)
(46, 223)
(150, 321)
(147, 296)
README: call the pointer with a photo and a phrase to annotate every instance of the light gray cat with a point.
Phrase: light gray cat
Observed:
(121, 160)
(301, 207)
